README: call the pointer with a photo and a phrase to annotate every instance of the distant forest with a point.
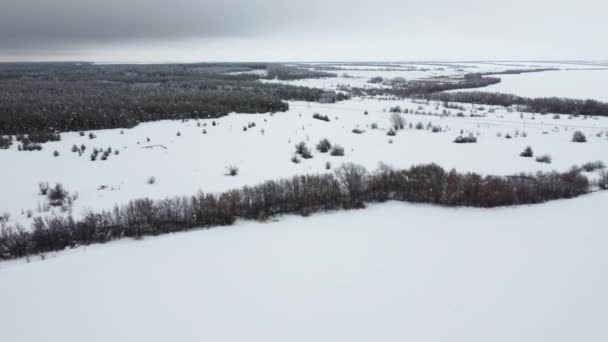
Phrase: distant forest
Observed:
(535, 105)
(43, 98)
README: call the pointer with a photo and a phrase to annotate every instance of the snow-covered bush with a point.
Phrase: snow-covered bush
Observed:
(545, 158)
(461, 139)
(43, 188)
(232, 170)
(320, 117)
(579, 137)
(303, 150)
(57, 195)
(527, 152)
(592, 166)
(602, 181)
(324, 145)
(337, 151)
(397, 122)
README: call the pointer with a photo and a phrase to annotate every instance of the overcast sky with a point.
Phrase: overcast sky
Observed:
(310, 30)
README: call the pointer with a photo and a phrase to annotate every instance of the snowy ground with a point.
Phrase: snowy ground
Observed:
(576, 84)
(392, 272)
(193, 161)
(357, 75)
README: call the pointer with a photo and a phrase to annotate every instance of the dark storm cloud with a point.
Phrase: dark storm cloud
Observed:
(303, 30)
(25, 23)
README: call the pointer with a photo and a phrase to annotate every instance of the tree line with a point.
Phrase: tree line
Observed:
(534, 105)
(350, 186)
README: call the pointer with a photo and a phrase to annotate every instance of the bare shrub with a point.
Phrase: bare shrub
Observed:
(545, 158)
(324, 145)
(397, 121)
(232, 170)
(579, 137)
(337, 151)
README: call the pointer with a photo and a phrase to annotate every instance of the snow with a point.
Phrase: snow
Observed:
(392, 272)
(576, 84)
(194, 161)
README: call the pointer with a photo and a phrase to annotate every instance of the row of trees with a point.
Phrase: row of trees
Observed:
(535, 105)
(350, 186)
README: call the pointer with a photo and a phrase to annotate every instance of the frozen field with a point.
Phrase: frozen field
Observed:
(193, 161)
(576, 84)
(392, 272)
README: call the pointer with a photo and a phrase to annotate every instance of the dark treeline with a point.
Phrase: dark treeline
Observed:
(410, 88)
(535, 105)
(517, 71)
(37, 98)
(350, 186)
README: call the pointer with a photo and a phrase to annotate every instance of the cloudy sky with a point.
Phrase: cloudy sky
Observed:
(311, 30)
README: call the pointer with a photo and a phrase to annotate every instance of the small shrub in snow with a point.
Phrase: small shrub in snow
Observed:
(397, 121)
(545, 158)
(57, 195)
(151, 180)
(470, 139)
(579, 137)
(337, 151)
(527, 152)
(592, 166)
(43, 188)
(396, 109)
(179, 134)
(320, 117)
(295, 159)
(75, 148)
(556, 117)
(92, 136)
(391, 133)
(303, 150)
(357, 131)
(436, 129)
(232, 170)
(419, 125)
(374, 126)
(81, 133)
(602, 181)
(508, 136)
(327, 166)
(324, 145)
(55, 153)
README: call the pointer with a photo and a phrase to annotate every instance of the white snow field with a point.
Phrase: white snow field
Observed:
(391, 272)
(576, 84)
(193, 161)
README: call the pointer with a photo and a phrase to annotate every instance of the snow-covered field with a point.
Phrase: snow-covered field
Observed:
(391, 272)
(356, 75)
(193, 161)
(576, 84)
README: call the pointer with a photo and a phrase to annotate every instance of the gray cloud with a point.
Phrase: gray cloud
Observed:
(394, 28)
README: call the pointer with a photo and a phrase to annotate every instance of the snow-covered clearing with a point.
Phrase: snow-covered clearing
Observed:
(193, 161)
(392, 272)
